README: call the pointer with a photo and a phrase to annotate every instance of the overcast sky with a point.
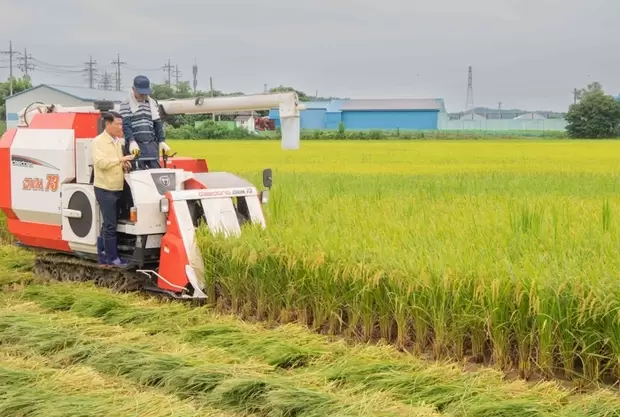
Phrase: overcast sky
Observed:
(525, 53)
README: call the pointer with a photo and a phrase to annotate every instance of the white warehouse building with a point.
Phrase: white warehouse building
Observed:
(57, 94)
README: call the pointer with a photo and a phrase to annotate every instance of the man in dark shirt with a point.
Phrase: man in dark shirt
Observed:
(142, 127)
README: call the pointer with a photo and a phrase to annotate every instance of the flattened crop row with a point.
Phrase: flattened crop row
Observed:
(292, 353)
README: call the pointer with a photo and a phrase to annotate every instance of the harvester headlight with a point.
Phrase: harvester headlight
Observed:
(133, 215)
(264, 197)
(164, 205)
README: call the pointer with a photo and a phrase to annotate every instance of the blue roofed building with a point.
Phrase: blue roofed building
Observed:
(312, 117)
(369, 114)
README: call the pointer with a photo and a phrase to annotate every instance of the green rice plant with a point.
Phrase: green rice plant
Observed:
(606, 215)
(5, 236)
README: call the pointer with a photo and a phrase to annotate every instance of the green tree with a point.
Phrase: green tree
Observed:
(282, 89)
(19, 84)
(596, 115)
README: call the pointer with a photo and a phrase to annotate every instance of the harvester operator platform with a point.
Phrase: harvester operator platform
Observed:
(143, 128)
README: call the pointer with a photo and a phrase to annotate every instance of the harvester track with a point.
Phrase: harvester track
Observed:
(59, 267)
(55, 266)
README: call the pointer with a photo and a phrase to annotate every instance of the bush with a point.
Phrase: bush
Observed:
(207, 130)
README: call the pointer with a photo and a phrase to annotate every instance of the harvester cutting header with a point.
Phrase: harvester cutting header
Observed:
(47, 194)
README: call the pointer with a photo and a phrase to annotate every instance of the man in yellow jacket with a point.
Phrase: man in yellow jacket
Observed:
(109, 165)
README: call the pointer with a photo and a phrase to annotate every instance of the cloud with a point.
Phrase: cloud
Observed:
(522, 51)
(14, 17)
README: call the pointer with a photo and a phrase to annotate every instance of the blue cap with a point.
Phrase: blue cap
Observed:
(142, 85)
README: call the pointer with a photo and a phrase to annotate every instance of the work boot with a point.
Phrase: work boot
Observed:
(101, 251)
(111, 251)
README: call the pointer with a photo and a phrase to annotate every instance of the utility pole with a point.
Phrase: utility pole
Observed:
(177, 75)
(118, 64)
(91, 70)
(25, 66)
(575, 95)
(211, 87)
(195, 73)
(10, 53)
(168, 68)
(499, 107)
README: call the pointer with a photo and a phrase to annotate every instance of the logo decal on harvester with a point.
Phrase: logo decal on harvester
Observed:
(27, 162)
(228, 193)
(164, 182)
(51, 183)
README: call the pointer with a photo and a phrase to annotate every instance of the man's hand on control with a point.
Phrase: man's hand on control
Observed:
(134, 148)
(163, 146)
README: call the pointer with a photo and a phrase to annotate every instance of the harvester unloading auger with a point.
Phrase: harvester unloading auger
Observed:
(47, 194)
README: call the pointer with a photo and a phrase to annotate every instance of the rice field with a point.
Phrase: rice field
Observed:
(503, 252)
(458, 253)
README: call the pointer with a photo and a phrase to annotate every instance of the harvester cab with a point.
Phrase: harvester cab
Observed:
(49, 200)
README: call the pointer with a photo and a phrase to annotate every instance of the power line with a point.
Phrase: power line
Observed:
(90, 68)
(132, 68)
(118, 64)
(59, 66)
(57, 69)
(168, 68)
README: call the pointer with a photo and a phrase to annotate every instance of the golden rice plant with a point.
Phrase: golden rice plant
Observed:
(496, 251)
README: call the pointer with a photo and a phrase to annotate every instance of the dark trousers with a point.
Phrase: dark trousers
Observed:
(108, 202)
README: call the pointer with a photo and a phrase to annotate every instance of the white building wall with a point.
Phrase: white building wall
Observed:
(249, 125)
(506, 125)
(42, 94)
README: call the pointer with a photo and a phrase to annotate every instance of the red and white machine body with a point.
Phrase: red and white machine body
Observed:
(47, 194)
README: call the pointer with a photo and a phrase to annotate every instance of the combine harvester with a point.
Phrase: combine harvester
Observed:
(47, 194)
